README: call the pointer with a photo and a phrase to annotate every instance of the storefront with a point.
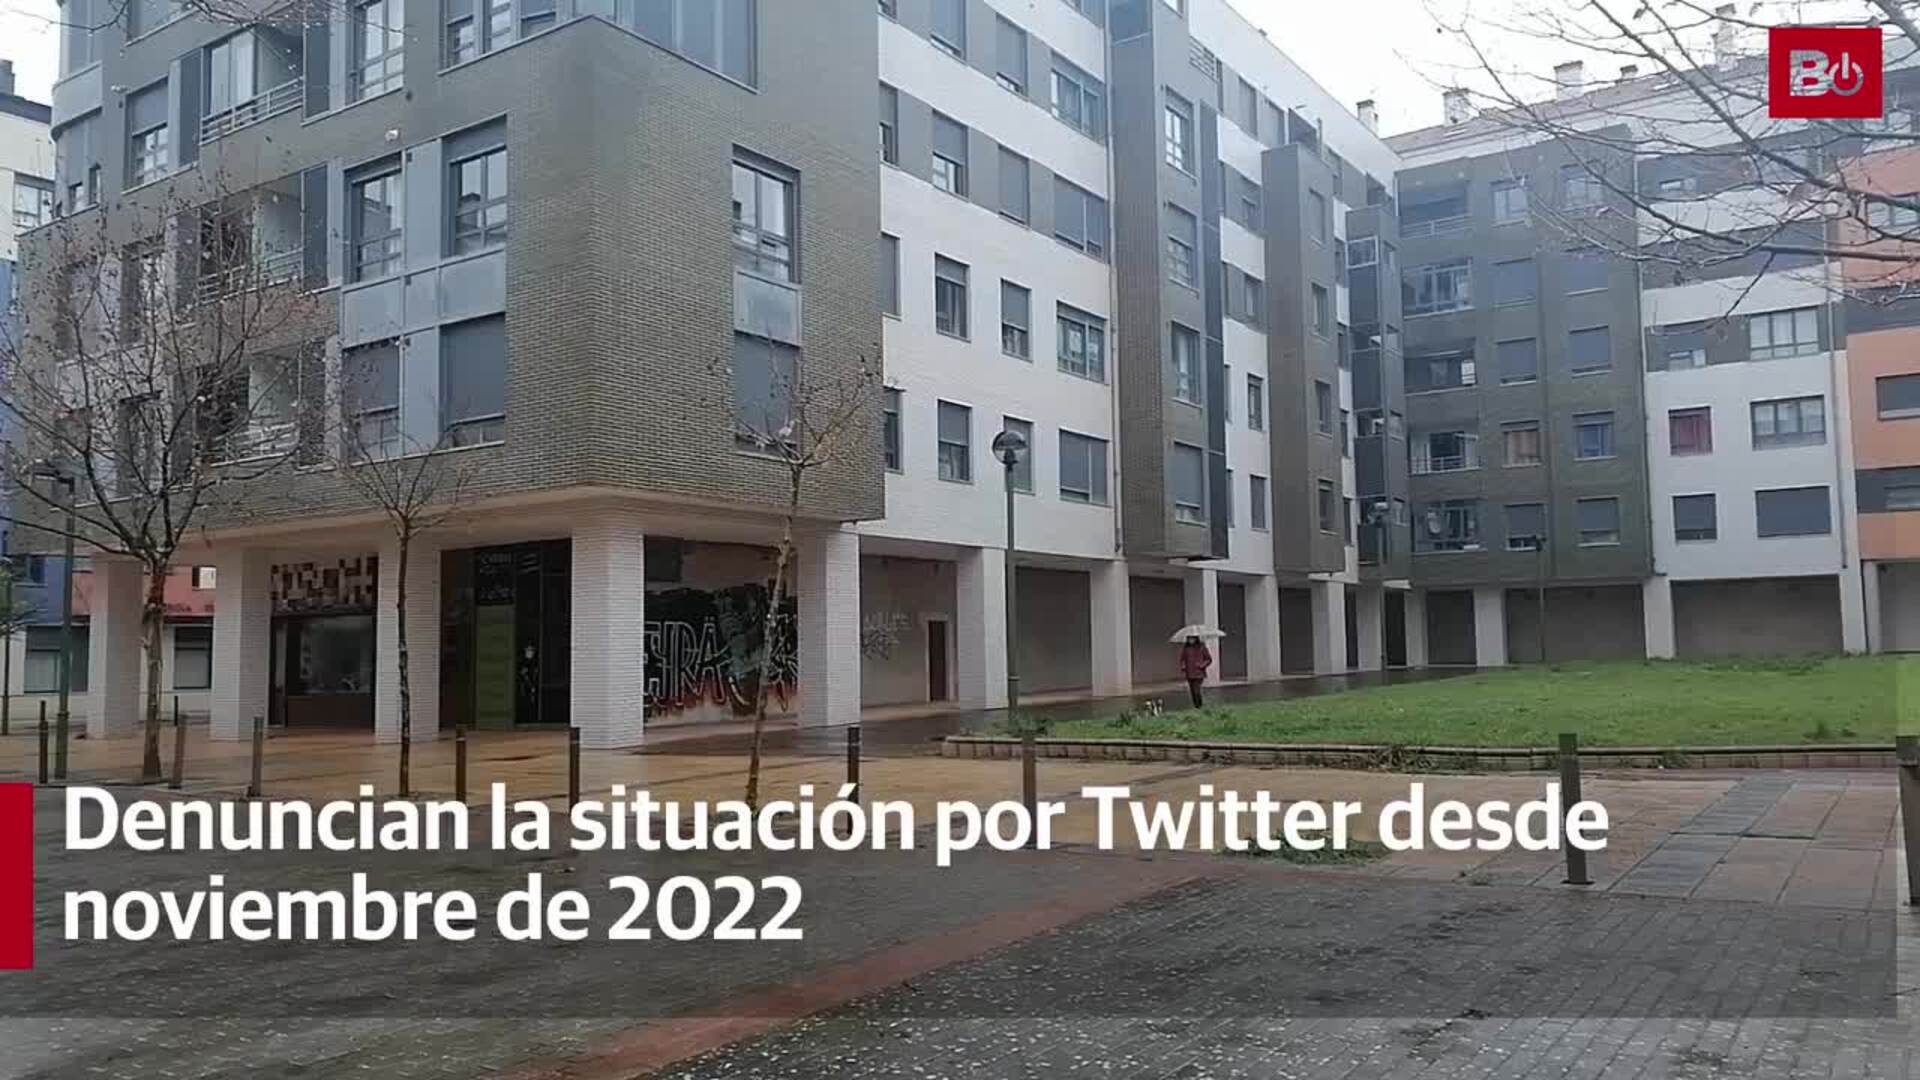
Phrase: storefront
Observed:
(323, 642)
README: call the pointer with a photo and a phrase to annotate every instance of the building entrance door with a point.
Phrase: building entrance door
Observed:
(937, 660)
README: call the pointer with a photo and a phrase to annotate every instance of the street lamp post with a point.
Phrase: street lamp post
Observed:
(62, 722)
(6, 640)
(1008, 446)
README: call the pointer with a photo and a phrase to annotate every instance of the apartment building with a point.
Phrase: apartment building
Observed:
(1675, 438)
(1117, 230)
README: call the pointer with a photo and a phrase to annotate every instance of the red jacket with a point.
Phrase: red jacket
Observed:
(1194, 661)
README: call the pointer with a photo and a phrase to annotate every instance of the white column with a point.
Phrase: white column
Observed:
(980, 627)
(1656, 609)
(828, 596)
(1263, 628)
(608, 648)
(1853, 611)
(423, 642)
(1111, 628)
(115, 668)
(242, 640)
(1202, 595)
(1329, 627)
(1370, 624)
(1415, 613)
(1870, 607)
(1490, 626)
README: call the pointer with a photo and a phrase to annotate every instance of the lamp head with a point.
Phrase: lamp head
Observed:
(1008, 446)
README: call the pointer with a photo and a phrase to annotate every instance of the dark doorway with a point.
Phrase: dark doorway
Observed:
(1396, 621)
(937, 660)
(506, 638)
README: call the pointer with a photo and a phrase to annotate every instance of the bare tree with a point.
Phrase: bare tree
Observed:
(1683, 139)
(804, 420)
(16, 614)
(154, 373)
(417, 486)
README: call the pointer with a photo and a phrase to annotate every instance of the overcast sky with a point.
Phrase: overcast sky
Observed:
(1393, 51)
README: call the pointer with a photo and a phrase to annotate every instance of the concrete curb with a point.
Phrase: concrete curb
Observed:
(1428, 758)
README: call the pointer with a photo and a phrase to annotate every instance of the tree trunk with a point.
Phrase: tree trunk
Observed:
(153, 620)
(767, 640)
(406, 689)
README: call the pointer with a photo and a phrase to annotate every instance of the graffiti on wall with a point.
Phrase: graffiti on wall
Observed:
(704, 649)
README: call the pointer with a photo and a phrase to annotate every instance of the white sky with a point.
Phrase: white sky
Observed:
(1393, 51)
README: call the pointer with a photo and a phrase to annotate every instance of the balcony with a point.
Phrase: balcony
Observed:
(1435, 226)
(251, 240)
(263, 106)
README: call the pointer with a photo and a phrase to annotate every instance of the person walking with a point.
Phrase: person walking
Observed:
(1195, 659)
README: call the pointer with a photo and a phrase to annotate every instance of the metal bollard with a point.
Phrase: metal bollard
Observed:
(573, 768)
(853, 759)
(1030, 786)
(62, 743)
(460, 762)
(255, 789)
(1908, 747)
(179, 748)
(1570, 795)
(44, 733)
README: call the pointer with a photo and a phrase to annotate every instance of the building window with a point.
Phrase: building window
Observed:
(1187, 382)
(1250, 202)
(478, 201)
(763, 218)
(1590, 350)
(890, 442)
(1179, 133)
(890, 9)
(1226, 393)
(79, 21)
(1441, 287)
(1513, 281)
(718, 36)
(764, 389)
(1445, 451)
(1584, 271)
(949, 155)
(1779, 334)
(956, 443)
(1318, 217)
(1022, 475)
(1448, 370)
(1189, 484)
(1322, 406)
(1526, 526)
(378, 44)
(1010, 56)
(1695, 517)
(1599, 521)
(1509, 201)
(1079, 218)
(374, 206)
(42, 669)
(949, 28)
(204, 578)
(1690, 431)
(889, 124)
(147, 153)
(1249, 109)
(1183, 248)
(473, 381)
(1083, 468)
(890, 274)
(32, 202)
(1251, 301)
(1256, 403)
(1078, 98)
(1016, 186)
(1592, 435)
(1802, 511)
(1448, 525)
(77, 163)
(1579, 186)
(192, 657)
(1322, 312)
(1257, 503)
(1016, 321)
(950, 297)
(1789, 422)
(1902, 497)
(1083, 343)
(1519, 361)
(1897, 397)
(1326, 507)
(370, 377)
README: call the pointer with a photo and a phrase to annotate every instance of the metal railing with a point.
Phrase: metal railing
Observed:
(1433, 227)
(261, 271)
(261, 106)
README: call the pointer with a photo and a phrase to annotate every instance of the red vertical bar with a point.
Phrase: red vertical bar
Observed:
(16, 876)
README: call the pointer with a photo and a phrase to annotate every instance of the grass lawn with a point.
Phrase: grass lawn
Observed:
(1667, 703)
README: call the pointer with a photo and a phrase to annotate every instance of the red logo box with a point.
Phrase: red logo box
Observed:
(16, 877)
(1824, 73)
